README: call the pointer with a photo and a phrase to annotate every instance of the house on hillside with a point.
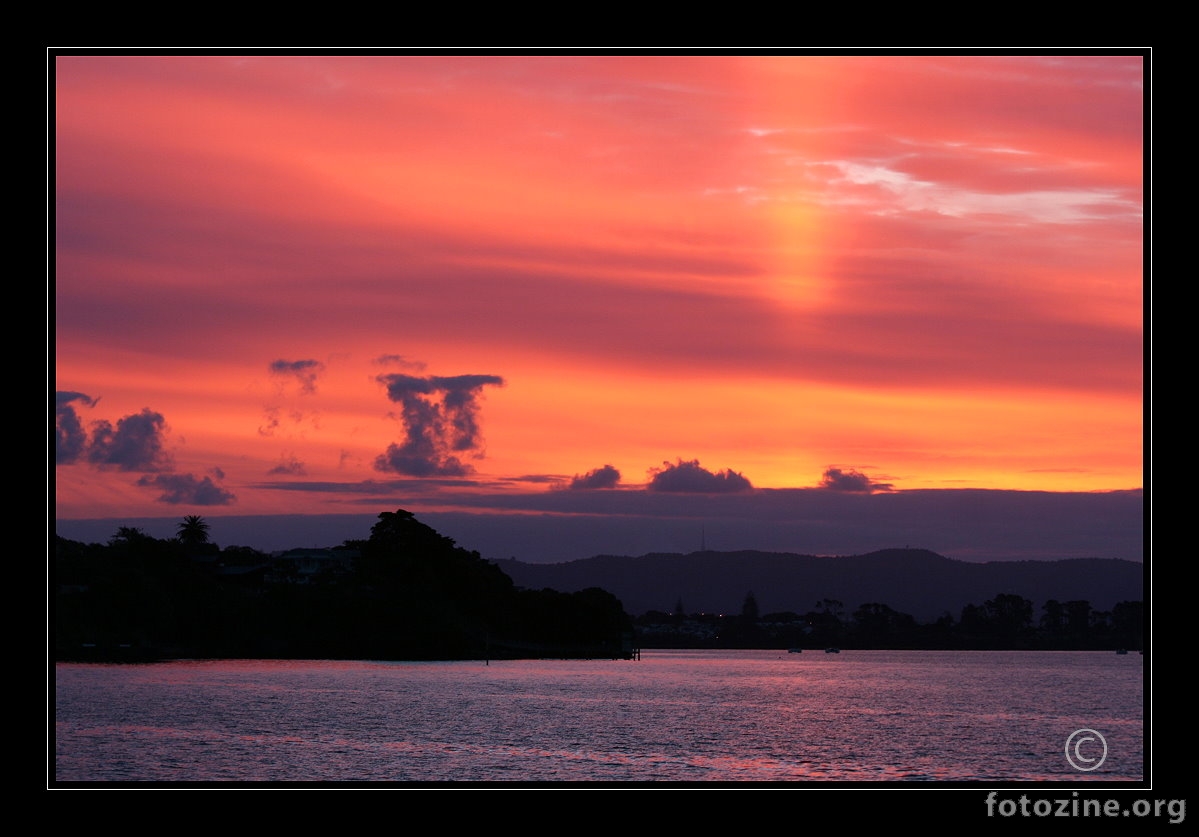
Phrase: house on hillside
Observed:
(306, 566)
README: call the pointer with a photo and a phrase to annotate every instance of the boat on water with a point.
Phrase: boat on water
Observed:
(832, 650)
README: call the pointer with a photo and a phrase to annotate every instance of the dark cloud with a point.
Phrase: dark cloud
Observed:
(399, 360)
(384, 491)
(70, 439)
(440, 416)
(605, 477)
(964, 524)
(553, 479)
(289, 465)
(303, 371)
(187, 489)
(835, 479)
(135, 444)
(691, 477)
(62, 399)
(272, 422)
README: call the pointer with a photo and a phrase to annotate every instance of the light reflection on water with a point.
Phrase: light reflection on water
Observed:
(673, 716)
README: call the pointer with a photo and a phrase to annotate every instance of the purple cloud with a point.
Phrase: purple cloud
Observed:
(135, 444)
(289, 465)
(70, 438)
(691, 477)
(305, 372)
(835, 479)
(441, 419)
(605, 477)
(400, 360)
(187, 489)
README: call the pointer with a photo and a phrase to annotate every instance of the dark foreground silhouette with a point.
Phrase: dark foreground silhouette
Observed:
(409, 593)
(405, 593)
(1005, 622)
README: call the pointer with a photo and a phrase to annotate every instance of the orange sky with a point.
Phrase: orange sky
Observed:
(923, 272)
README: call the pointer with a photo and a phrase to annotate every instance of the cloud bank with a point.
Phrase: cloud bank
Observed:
(180, 489)
(136, 443)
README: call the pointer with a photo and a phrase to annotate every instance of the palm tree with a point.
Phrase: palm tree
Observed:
(193, 531)
(128, 535)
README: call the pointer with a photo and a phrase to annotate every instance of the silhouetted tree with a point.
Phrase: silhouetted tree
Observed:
(193, 531)
(831, 608)
(876, 625)
(1053, 619)
(826, 623)
(1128, 624)
(1078, 617)
(128, 535)
(243, 556)
(749, 609)
(1002, 622)
(1101, 627)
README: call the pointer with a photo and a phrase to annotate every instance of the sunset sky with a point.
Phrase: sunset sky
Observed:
(668, 291)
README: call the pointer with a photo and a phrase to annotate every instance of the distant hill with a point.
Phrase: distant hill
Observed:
(918, 582)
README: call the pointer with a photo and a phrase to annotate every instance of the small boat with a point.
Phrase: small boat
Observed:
(794, 650)
(832, 650)
(1121, 650)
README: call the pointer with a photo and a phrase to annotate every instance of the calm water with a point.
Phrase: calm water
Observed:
(673, 716)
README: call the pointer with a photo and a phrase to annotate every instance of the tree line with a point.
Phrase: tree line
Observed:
(408, 593)
(1007, 621)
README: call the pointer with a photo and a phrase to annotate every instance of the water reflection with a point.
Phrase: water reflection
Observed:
(672, 716)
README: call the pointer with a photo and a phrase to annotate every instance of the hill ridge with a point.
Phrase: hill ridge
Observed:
(916, 581)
